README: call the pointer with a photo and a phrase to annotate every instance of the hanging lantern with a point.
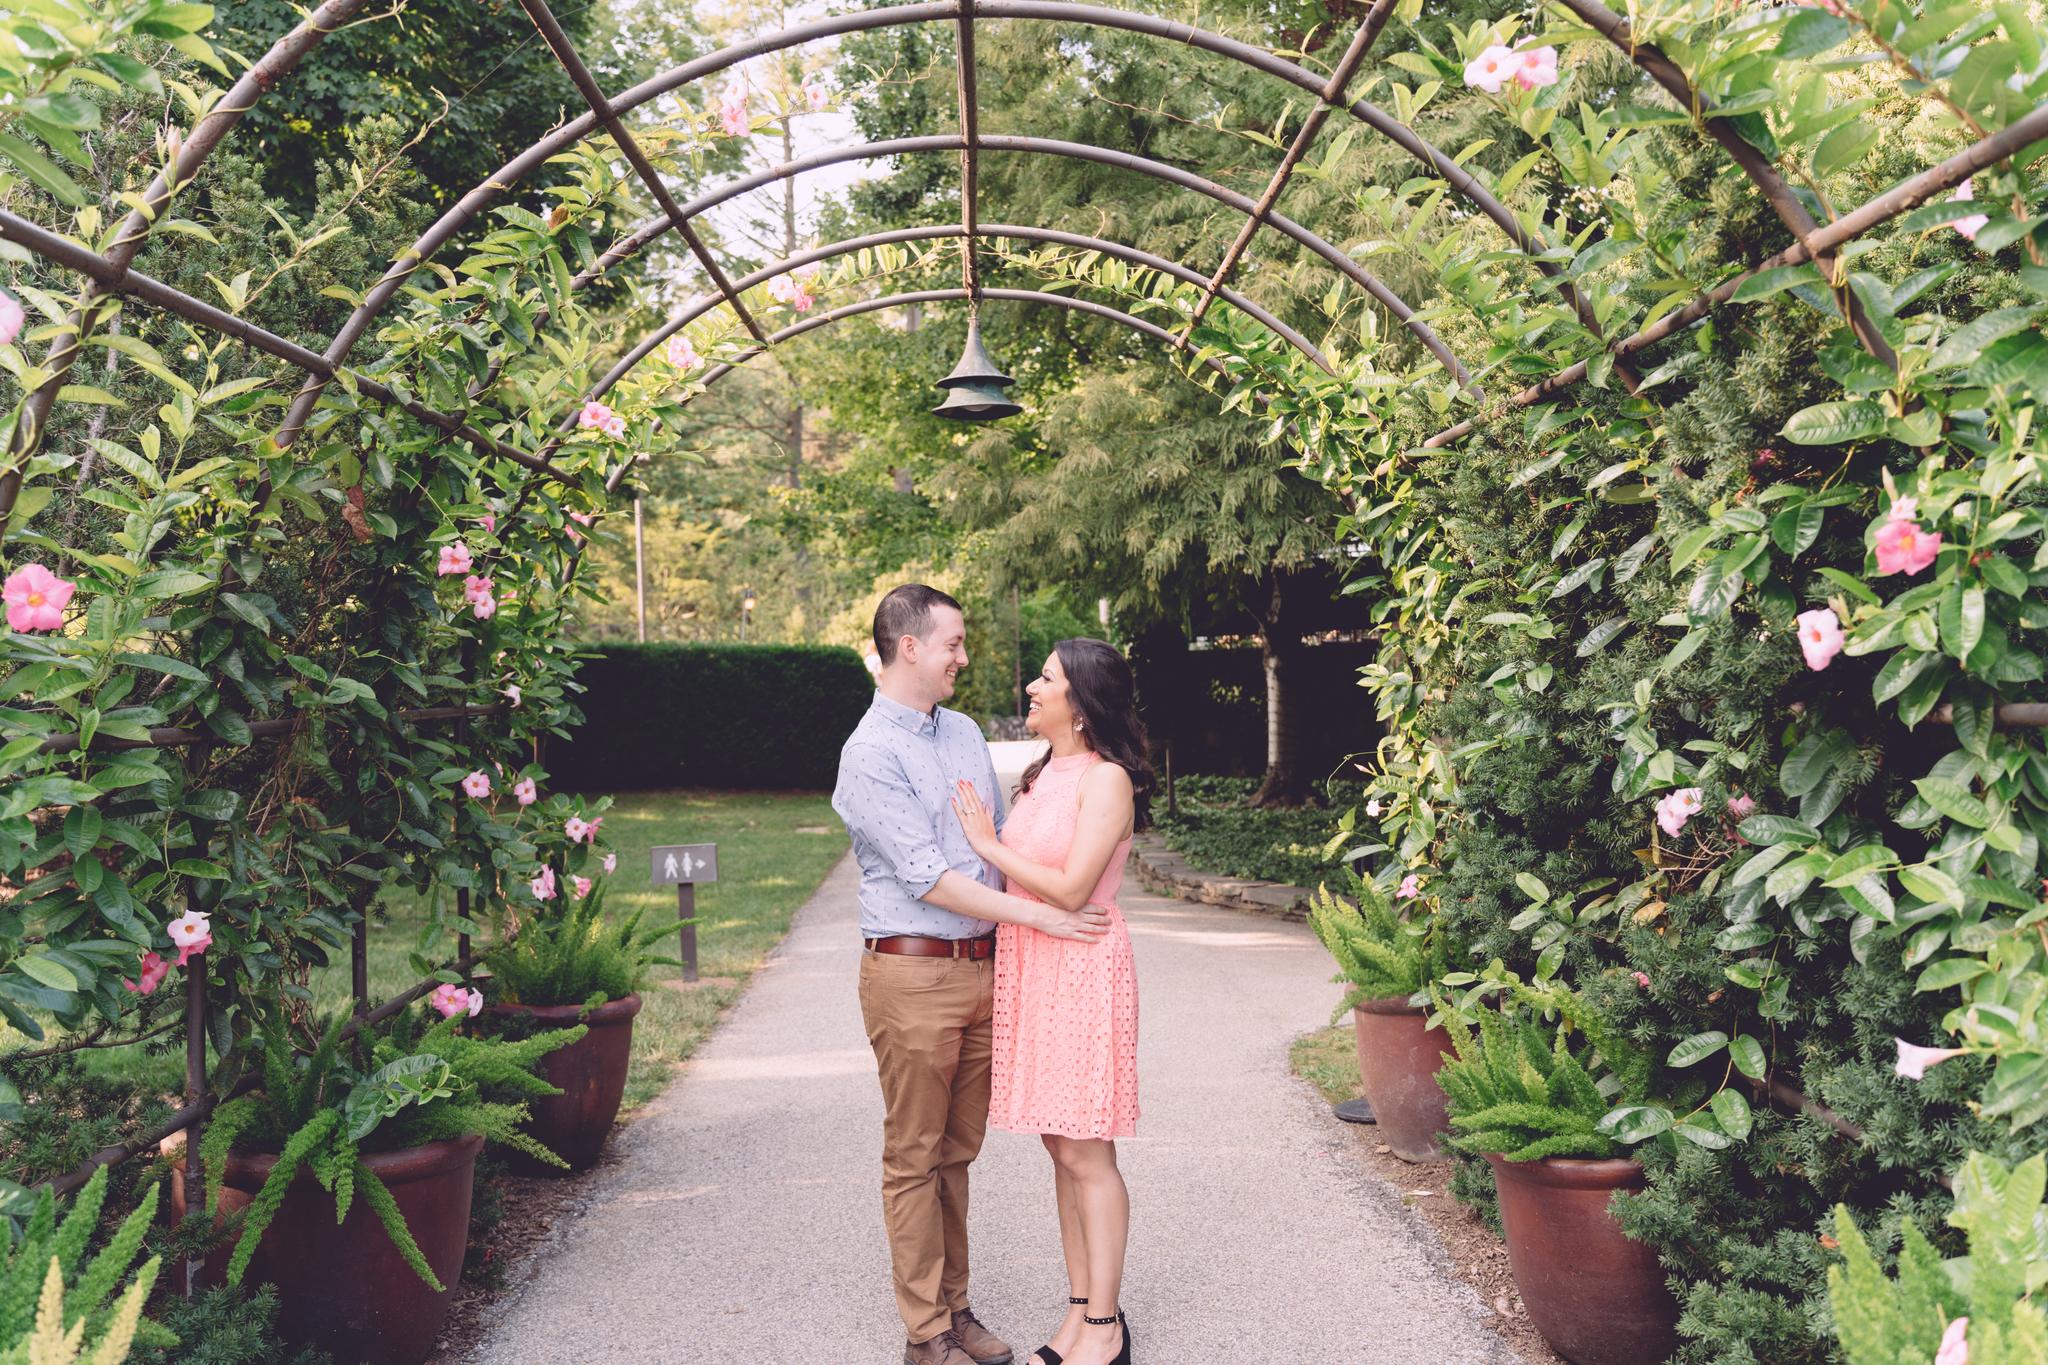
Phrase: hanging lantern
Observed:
(975, 387)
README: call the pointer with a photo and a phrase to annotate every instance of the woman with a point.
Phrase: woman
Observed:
(1066, 1014)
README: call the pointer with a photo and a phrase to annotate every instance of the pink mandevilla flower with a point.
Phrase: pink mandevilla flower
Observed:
(1642, 980)
(1820, 636)
(611, 862)
(543, 884)
(1539, 67)
(575, 827)
(1741, 806)
(1411, 887)
(682, 353)
(477, 784)
(489, 521)
(154, 969)
(615, 426)
(590, 830)
(733, 115)
(484, 608)
(1903, 509)
(476, 587)
(11, 318)
(1914, 1060)
(594, 414)
(455, 560)
(451, 1000)
(582, 885)
(36, 598)
(1676, 808)
(1903, 546)
(1975, 223)
(525, 792)
(512, 693)
(1955, 1350)
(816, 95)
(1492, 69)
(192, 932)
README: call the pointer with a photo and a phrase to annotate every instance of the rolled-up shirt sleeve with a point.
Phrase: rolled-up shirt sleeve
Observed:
(875, 799)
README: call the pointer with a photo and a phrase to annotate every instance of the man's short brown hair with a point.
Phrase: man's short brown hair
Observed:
(906, 611)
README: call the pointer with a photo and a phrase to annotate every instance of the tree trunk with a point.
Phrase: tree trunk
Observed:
(1285, 782)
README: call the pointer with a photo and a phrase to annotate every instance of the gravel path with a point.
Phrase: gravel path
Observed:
(742, 1220)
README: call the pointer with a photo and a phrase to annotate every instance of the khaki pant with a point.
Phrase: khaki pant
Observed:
(929, 1020)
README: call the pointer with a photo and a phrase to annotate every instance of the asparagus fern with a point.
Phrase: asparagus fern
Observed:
(320, 1113)
(1381, 954)
(57, 1304)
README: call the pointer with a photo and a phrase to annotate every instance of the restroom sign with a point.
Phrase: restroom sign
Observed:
(691, 863)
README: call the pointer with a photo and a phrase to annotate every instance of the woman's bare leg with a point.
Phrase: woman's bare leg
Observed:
(1073, 1241)
(1104, 1204)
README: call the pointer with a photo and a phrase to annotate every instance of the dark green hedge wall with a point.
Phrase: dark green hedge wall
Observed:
(752, 716)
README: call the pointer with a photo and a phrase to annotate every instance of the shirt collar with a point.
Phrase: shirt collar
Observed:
(909, 717)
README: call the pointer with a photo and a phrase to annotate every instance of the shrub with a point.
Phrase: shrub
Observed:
(750, 716)
(1217, 832)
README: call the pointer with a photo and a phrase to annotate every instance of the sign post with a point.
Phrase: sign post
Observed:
(685, 865)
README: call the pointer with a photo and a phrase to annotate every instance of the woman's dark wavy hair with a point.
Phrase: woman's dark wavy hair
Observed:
(1103, 695)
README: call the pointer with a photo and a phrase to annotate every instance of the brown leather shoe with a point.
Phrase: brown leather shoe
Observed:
(985, 1346)
(943, 1349)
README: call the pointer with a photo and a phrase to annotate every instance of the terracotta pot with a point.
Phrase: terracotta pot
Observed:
(591, 1074)
(345, 1289)
(1597, 1297)
(1397, 1061)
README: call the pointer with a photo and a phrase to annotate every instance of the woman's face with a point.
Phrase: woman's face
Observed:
(1049, 712)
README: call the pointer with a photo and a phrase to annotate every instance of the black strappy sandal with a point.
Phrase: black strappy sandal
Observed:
(1046, 1353)
(1123, 1357)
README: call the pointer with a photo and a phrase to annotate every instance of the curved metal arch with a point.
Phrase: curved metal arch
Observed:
(840, 314)
(705, 303)
(928, 11)
(1358, 274)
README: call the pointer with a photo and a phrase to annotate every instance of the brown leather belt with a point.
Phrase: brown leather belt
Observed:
(916, 945)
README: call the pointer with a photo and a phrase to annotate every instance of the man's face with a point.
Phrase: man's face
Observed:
(936, 659)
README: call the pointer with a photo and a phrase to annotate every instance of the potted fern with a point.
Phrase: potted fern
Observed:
(576, 967)
(1389, 961)
(1554, 1119)
(353, 1182)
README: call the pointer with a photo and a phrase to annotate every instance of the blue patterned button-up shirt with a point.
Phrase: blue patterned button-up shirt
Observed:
(895, 793)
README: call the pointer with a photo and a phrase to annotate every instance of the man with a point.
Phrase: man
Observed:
(928, 910)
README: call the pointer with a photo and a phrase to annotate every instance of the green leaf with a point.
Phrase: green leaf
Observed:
(1697, 1048)
(1954, 802)
(1731, 1111)
(43, 171)
(1777, 829)
(1950, 971)
(1827, 424)
(1700, 1135)
(49, 973)
(1748, 1055)
(1776, 280)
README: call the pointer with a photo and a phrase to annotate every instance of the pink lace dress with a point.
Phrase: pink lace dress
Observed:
(1066, 1012)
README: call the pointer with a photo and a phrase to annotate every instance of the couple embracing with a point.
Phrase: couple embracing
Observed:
(996, 981)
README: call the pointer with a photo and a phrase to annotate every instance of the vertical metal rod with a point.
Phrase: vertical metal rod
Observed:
(639, 574)
(195, 1090)
(359, 961)
(195, 1056)
(1172, 805)
(686, 916)
(970, 137)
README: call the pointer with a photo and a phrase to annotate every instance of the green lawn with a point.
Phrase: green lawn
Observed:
(1328, 1060)
(773, 850)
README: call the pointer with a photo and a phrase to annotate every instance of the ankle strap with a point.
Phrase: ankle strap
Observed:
(1072, 1299)
(1099, 1322)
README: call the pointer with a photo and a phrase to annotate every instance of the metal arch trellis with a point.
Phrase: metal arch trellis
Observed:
(110, 274)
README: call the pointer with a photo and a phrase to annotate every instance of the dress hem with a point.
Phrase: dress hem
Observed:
(1042, 1131)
